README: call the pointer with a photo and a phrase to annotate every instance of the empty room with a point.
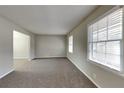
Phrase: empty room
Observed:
(61, 46)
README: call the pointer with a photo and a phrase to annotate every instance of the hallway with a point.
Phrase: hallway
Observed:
(46, 73)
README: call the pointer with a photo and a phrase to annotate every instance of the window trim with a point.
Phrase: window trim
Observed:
(121, 44)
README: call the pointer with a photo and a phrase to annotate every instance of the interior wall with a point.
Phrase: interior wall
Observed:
(21, 45)
(6, 45)
(50, 46)
(103, 78)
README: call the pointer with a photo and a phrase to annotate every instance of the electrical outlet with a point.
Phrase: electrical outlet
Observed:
(94, 75)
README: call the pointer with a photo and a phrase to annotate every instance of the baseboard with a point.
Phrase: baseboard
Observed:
(85, 74)
(6, 73)
(49, 58)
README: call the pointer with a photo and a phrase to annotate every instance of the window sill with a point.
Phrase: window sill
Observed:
(116, 72)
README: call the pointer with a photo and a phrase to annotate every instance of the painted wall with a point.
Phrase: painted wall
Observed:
(104, 78)
(21, 45)
(6, 45)
(50, 46)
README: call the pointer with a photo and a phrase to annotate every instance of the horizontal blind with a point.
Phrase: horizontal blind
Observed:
(71, 44)
(104, 38)
(95, 31)
(115, 25)
(102, 29)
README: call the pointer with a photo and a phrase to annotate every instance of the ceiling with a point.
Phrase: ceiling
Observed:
(46, 19)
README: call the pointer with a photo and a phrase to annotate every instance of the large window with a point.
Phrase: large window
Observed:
(70, 44)
(105, 40)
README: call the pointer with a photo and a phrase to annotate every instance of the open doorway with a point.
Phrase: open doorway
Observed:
(21, 46)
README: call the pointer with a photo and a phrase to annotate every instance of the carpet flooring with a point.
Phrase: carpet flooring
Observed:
(45, 73)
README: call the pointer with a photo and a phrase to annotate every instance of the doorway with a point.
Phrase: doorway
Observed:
(21, 45)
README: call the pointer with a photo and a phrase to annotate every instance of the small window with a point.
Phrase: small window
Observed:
(105, 40)
(70, 44)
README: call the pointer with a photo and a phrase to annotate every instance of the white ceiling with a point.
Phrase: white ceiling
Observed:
(58, 20)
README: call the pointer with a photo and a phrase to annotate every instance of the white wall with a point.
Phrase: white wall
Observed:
(50, 46)
(21, 45)
(6, 45)
(103, 78)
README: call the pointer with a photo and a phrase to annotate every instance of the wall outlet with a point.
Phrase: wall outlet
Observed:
(94, 75)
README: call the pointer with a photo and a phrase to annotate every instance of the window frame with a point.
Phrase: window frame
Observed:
(108, 68)
(71, 36)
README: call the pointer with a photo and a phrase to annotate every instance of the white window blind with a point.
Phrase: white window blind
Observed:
(70, 44)
(104, 40)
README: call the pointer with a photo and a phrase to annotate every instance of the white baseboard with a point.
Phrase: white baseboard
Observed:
(6, 73)
(85, 74)
(47, 57)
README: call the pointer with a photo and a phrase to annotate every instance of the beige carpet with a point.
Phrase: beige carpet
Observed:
(46, 73)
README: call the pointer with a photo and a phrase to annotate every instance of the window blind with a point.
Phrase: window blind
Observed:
(104, 40)
(71, 44)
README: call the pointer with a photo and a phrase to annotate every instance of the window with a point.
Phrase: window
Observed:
(70, 44)
(105, 40)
